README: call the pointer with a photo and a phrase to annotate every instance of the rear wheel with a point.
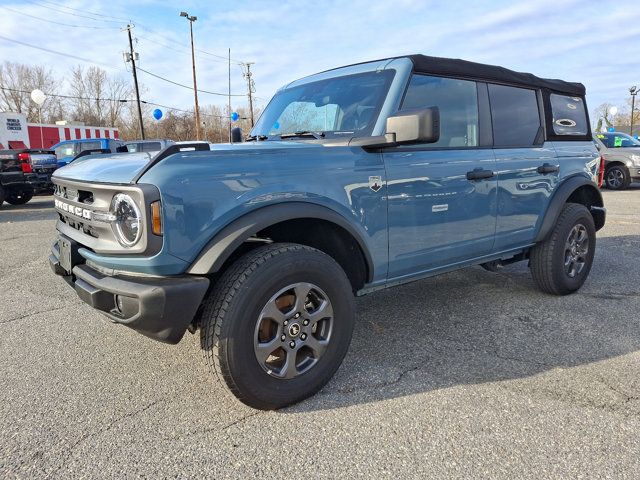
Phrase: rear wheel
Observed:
(278, 324)
(561, 264)
(19, 198)
(617, 177)
(1, 195)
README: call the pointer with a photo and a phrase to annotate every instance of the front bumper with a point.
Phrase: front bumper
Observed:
(159, 307)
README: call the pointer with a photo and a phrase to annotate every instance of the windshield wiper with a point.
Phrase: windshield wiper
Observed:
(253, 138)
(302, 134)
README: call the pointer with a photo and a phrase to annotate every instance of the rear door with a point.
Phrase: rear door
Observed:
(437, 215)
(527, 166)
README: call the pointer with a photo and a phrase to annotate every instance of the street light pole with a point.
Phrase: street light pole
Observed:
(193, 63)
(633, 91)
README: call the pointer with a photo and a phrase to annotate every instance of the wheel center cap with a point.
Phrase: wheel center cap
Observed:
(294, 330)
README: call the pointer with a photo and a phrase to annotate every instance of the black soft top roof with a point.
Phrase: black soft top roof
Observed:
(464, 68)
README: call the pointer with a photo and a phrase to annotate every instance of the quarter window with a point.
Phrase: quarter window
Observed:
(458, 104)
(515, 116)
(569, 115)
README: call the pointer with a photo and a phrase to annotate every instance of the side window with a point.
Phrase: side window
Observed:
(151, 147)
(90, 146)
(515, 116)
(458, 104)
(569, 115)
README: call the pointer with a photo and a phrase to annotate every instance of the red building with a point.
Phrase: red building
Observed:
(15, 132)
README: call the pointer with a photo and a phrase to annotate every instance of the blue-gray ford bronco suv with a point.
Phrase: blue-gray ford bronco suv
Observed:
(353, 180)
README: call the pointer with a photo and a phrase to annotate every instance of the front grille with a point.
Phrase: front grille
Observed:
(83, 206)
(74, 194)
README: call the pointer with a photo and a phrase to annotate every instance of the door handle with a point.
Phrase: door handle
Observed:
(548, 168)
(480, 174)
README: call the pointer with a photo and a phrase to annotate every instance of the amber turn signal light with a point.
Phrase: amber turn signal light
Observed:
(156, 218)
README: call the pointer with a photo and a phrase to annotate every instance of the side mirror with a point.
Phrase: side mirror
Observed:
(418, 125)
(236, 135)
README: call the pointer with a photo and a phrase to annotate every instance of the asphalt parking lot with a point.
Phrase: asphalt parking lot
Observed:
(470, 374)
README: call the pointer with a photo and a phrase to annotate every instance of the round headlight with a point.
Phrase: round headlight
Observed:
(128, 222)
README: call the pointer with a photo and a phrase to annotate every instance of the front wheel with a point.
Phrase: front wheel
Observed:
(561, 263)
(278, 324)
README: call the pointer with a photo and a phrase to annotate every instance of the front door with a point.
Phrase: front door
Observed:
(441, 196)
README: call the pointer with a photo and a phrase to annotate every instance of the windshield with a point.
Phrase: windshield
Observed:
(340, 106)
(617, 140)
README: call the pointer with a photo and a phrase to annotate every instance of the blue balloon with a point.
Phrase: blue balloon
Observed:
(235, 116)
(157, 114)
(611, 129)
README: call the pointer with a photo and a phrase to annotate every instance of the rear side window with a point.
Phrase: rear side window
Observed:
(515, 116)
(90, 146)
(151, 147)
(458, 104)
(569, 115)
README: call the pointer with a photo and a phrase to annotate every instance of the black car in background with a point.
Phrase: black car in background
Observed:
(25, 173)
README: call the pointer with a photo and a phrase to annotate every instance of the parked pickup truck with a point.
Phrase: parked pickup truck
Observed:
(353, 180)
(24, 173)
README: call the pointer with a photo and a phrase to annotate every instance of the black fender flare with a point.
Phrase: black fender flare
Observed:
(227, 240)
(562, 194)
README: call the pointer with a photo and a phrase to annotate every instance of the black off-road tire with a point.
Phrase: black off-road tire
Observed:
(547, 261)
(19, 198)
(232, 309)
(617, 177)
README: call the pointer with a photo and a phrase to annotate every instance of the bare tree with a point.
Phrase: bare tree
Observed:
(18, 80)
(100, 99)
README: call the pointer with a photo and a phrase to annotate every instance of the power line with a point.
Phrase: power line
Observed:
(57, 23)
(85, 11)
(185, 111)
(75, 57)
(204, 52)
(120, 100)
(76, 14)
(73, 97)
(48, 50)
(185, 86)
(184, 50)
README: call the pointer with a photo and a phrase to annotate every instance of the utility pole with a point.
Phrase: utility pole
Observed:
(132, 58)
(250, 88)
(633, 91)
(229, 105)
(193, 64)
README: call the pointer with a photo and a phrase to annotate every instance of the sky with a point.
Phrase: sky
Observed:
(596, 43)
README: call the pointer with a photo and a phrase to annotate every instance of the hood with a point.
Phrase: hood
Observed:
(122, 168)
(107, 168)
(622, 152)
